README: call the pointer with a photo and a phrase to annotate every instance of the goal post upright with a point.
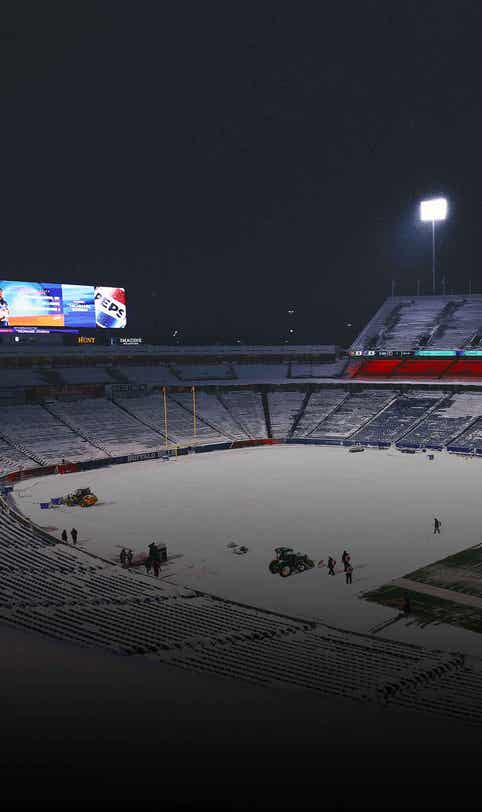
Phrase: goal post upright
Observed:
(164, 401)
(194, 421)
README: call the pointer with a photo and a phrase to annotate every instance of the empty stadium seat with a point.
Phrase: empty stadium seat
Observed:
(464, 368)
(428, 368)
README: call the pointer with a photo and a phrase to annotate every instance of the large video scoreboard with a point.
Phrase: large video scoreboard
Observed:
(59, 305)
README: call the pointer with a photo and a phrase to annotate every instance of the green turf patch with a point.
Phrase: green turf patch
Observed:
(428, 608)
(467, 559)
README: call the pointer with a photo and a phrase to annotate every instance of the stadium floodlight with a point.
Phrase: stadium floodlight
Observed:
(432, 211)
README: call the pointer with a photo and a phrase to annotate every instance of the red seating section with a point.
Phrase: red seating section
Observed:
(378, 368)
(423, 367)
(465, 368)
(353, 368)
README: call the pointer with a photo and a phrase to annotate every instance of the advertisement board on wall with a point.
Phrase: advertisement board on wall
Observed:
(48, 304)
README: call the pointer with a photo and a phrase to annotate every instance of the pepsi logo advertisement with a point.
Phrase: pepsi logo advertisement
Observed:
(48, 304)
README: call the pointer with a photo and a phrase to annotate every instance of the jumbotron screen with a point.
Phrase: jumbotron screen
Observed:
(48, 304)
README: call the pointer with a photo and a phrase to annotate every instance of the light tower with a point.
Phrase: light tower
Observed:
(432, 211)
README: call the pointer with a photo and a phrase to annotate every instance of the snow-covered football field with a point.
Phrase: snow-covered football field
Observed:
(379, 505)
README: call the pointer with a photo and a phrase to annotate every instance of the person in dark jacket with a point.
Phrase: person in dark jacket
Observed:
(123, 556)
(64, 535)
(406, 603)
(74, 535)
(348, 572)
(129, 557)
(331, 565)
(436, 525)
(345, 559)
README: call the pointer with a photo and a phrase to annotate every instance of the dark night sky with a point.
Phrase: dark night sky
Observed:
(226, 161)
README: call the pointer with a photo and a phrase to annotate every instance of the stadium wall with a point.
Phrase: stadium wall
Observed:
(88, 465)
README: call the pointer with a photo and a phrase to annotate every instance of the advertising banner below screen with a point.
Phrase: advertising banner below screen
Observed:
(47, 304)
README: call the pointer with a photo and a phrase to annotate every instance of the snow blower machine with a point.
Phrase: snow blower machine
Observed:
(82, 497)
(287, 562)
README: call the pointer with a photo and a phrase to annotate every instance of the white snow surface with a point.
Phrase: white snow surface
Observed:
(378, 505)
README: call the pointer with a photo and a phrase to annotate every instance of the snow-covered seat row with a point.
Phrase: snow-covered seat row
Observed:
(463, 323)
(214, 422)
(447, 421)
(180, 422)
(37, 433)
(284, 408)
(246, 408)
(353, 412)
(336, 663)
(396, 419)
(437, 322)
(415, 320)
(472, 437)
(12, 459)
(107, 426)
(319, 405)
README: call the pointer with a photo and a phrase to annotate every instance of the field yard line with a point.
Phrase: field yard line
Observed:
(438, 592)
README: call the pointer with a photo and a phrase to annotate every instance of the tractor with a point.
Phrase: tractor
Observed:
(288, 562)
(82, 497)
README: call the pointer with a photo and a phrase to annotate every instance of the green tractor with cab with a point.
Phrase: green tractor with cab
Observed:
(288, 562)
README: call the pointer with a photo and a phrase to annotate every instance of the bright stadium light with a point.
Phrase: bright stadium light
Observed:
(432, 211)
